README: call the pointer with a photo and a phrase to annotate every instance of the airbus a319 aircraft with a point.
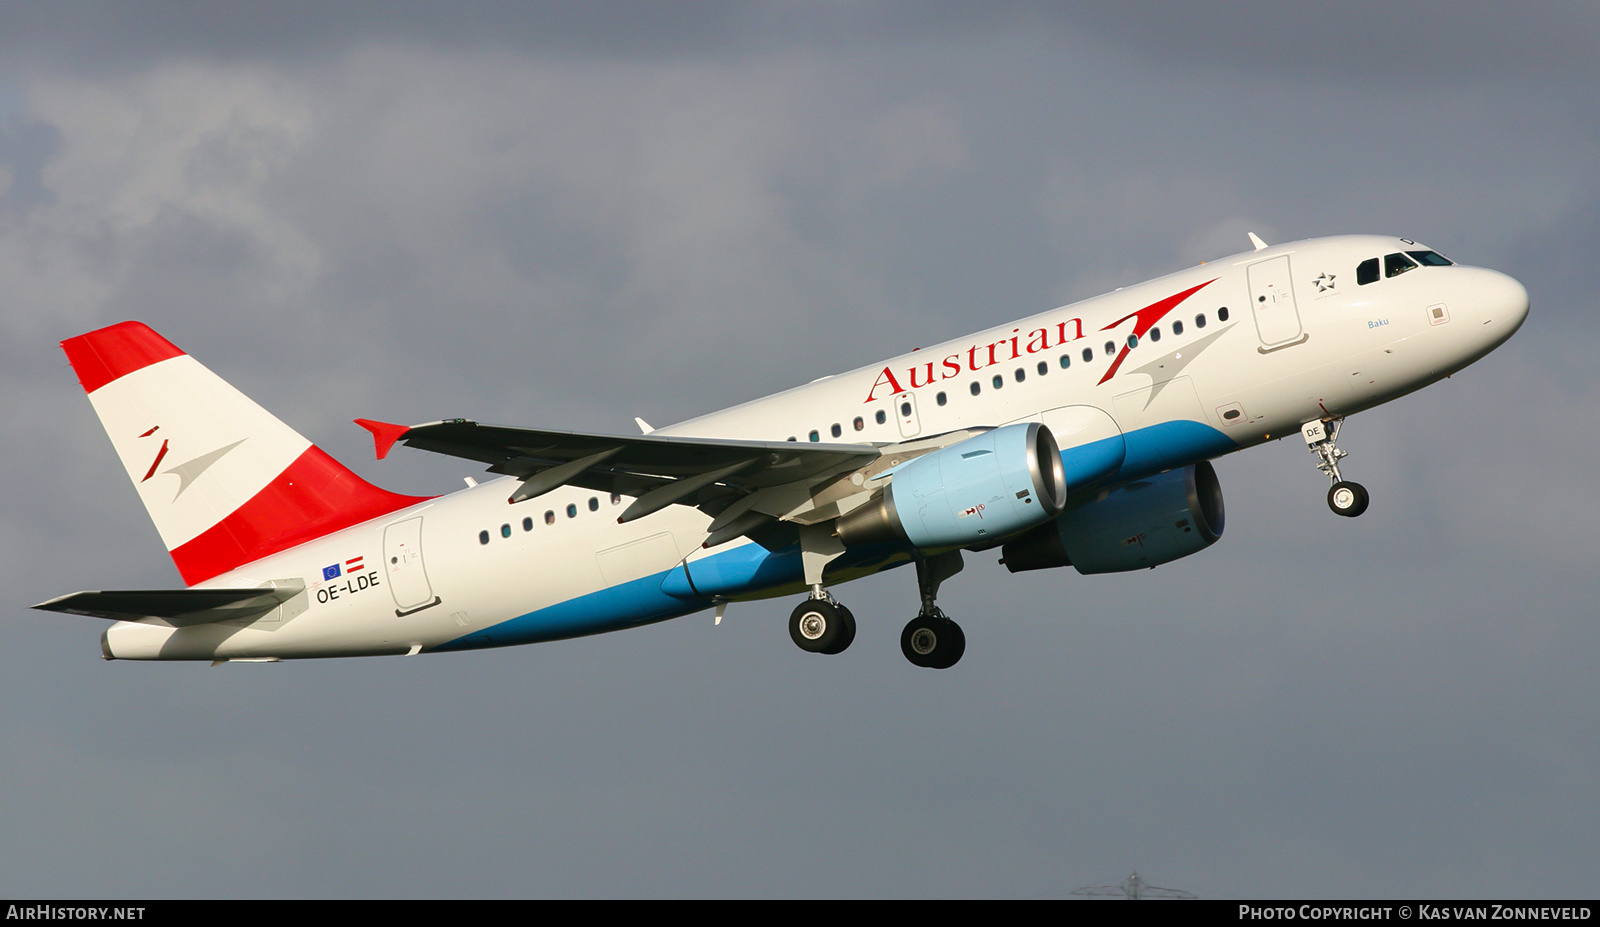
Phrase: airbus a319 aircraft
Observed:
(1077, 437)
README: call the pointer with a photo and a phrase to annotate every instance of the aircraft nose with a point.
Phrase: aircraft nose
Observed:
(1503, 302)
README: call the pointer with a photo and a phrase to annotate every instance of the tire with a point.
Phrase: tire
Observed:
(933, 642)
(955, 645)
(1348, 499)
(847, 631)
(815, 626)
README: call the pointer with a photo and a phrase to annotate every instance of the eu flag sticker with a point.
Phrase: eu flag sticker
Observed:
(330, 572)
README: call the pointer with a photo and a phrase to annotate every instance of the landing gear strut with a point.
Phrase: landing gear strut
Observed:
(931, 639)
(1344, 497)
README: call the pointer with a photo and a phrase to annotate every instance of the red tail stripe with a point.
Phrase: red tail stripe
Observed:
(314, 496)
(102, 356)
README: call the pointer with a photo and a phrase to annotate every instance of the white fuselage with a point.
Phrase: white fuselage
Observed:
(1265, 341)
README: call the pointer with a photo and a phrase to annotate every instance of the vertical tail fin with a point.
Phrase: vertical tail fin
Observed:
(224, 481)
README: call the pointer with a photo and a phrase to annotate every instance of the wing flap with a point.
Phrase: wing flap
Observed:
(669, 470)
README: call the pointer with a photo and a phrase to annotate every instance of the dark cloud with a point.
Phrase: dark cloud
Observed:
(1359, 41)
(93, 34)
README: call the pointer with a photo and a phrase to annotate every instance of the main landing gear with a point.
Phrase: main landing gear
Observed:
(1344, 497)
(821, 625)
(931, 639)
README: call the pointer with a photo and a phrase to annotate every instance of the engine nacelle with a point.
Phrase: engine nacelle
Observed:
(998, 483)
(1136, 525)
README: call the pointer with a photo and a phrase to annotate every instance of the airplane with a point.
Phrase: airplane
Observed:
(1079, 437)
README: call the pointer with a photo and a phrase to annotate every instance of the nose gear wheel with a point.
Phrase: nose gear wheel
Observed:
(1348, 499)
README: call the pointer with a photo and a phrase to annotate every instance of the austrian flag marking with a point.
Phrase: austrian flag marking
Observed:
(353, 565)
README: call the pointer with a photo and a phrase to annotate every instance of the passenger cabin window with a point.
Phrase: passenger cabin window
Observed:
(1222, 314)
(1367, 272)
(505, 531)
(527, 524)
(941, 399)
(815, 437)
(1021, 374)
(550, 517)
(572, 510)
(976, 387)
(860, 423)
(1396, 264)
(836, 431)
(1066, 361)
(1044, 368)
(1088, 355)
(998, 381)
(483, 537)
(881, 417)
(594, 504)
(1111, 348)
(1177, 328)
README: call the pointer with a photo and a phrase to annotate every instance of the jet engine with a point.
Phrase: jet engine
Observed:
(1136, 525)
(990, 486)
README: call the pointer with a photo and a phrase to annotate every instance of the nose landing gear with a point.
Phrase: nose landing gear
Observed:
(1344, 497)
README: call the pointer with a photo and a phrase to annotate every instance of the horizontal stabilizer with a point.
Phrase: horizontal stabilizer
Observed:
(178, 608)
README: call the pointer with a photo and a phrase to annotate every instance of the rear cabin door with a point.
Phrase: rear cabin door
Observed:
(408, 578)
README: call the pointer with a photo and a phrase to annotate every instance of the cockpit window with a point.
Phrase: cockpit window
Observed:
(1396, 264)
(1431, 258)
(1367, 272)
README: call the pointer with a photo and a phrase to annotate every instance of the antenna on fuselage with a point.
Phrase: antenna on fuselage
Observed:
(1256, 240)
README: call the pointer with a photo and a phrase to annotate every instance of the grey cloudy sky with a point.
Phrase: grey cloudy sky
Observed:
(567, 215)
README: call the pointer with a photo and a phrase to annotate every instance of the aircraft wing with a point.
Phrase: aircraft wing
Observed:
(658, 470)
(176, 608)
